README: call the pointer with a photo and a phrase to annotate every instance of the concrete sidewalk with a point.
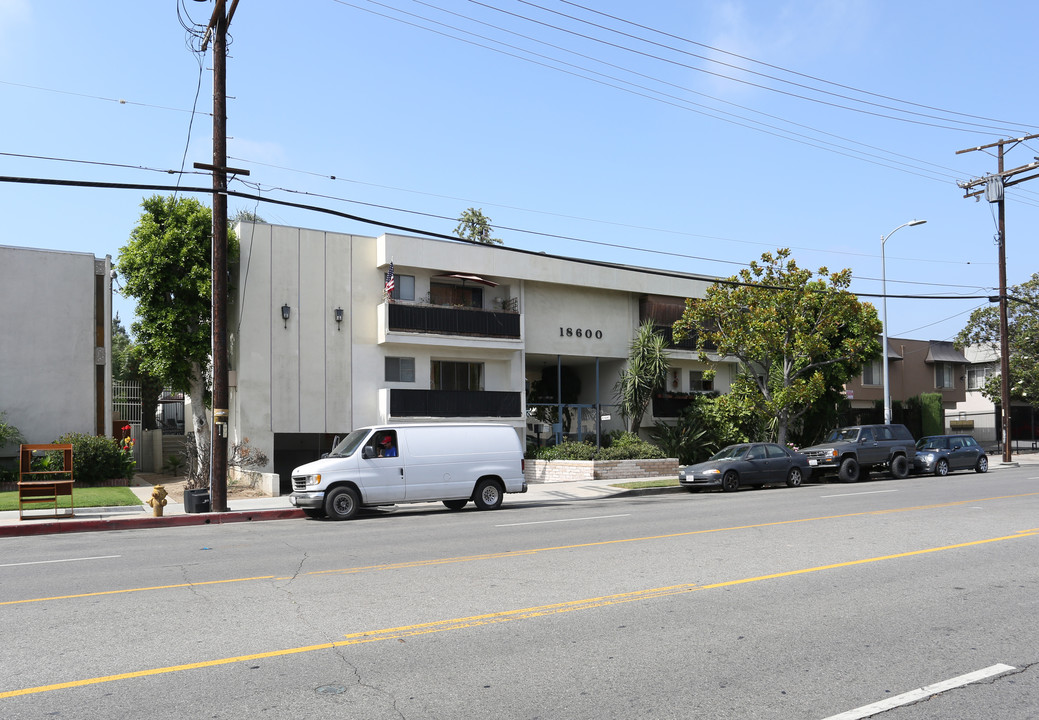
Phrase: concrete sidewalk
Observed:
(263, 508)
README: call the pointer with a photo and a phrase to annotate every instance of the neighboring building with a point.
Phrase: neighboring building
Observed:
(55, 357)
(915, 367)
(472, 333)
(976, 414)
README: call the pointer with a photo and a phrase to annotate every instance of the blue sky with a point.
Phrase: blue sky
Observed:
(650, 146)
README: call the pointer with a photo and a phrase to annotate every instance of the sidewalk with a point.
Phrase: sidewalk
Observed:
(279, 508)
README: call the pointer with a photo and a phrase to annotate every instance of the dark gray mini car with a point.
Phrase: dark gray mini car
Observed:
(940, 454)
(746, 464)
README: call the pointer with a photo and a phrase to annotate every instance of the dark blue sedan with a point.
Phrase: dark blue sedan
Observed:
(747, 464)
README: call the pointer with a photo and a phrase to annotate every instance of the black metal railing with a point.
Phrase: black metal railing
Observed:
(453, 321)
(454, 403)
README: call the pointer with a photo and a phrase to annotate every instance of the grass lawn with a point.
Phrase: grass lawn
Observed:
(84, 497)
(663, 482)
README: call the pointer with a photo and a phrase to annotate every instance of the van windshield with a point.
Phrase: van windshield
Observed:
(350, 443)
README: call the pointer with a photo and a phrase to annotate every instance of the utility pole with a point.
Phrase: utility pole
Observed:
(994, 187)
(218, 443)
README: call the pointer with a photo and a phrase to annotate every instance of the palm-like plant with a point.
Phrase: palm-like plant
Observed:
(645, 372)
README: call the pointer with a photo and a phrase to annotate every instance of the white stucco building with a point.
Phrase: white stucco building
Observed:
(55, 366)
(472, 333)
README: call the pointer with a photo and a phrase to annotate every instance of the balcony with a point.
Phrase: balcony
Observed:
(452, 321)
(454, 403)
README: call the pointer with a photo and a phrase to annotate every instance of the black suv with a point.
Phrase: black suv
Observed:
(851, 452)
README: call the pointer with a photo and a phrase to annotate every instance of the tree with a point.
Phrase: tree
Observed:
(166, 267)
(644, 374)
(1023, 340)
(127, 365)
(121, 345)
(794, 334)
(243, 215)
(476, 227)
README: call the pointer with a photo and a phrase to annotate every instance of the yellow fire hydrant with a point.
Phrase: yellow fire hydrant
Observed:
(158, 500)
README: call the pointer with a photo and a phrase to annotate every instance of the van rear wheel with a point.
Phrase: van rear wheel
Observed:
(488, 495)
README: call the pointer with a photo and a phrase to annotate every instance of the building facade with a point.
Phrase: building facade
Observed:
(55, 357)
(469, 332)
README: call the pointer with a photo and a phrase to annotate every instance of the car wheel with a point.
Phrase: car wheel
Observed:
(900, 466)
(341, 503)
(455, 504)
(982, 464)
(941, 468)
(794, 477)
(730, 481)
(488, 495)
(315, 513)
(849, 471)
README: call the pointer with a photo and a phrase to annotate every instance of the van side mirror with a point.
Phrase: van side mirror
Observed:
(367, 452)
(324, 455)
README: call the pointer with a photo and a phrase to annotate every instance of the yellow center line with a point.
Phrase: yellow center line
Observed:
(492, 618)
(532, 551)
(143, 589)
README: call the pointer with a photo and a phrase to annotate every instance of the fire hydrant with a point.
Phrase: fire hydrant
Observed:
(158, 500)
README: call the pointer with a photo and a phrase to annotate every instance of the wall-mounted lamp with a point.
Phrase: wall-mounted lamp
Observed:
(285, 312)
(339, 318)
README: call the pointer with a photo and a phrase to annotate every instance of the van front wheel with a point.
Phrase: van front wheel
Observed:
(488, 495)
(341, 503)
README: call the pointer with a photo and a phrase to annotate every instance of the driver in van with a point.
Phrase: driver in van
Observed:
(386, 447)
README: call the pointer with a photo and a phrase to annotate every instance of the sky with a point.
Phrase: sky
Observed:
(676, 134)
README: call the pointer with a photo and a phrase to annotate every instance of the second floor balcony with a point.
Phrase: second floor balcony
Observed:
(414, 319)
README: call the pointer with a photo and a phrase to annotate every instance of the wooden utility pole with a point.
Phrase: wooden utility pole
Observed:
(218, 443)
(994, 186)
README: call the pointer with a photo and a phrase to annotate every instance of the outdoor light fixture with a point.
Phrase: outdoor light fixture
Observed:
(285, 312)
(339, 318)
(883, 292)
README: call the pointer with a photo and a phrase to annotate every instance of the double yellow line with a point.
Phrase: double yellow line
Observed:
(400, 633)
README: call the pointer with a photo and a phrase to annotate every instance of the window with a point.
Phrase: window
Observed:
(403, 287)
(447, 375)
(873, 373)
(440, 294)
(943, 375)
(978, 375)
(400, 369)
(697, 382)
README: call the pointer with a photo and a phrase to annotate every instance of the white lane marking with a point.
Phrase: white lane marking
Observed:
(869, 492)
(543, 522)
(44, 562)
(921, 693)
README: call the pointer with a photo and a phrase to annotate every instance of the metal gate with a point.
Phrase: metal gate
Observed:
(126, 410)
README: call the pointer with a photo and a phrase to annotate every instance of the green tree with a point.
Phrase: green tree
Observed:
(1023, 334)
(794, 333)
(243, 215)
(474, 226)
(121, 345)
(644, 374)
(166, 268)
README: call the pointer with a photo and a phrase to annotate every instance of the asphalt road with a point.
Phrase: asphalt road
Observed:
(776, 603)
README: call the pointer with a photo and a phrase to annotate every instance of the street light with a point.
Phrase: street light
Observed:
(883, 292)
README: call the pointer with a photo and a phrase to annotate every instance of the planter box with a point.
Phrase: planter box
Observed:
(549, 471)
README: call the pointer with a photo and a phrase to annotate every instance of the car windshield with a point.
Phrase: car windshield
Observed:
(733, 451)
(844, 435)
(350, 443)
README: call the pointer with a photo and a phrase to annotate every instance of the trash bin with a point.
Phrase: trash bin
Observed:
(196, 501)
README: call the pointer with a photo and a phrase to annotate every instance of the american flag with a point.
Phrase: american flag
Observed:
(389, 279)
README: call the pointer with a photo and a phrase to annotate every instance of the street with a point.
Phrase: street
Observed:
(774, 603)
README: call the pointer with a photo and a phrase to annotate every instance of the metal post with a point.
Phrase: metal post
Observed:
(883, 292)
(218, 445)
(1004, 333)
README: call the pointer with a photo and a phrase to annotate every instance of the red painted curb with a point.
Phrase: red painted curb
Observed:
(35, 527)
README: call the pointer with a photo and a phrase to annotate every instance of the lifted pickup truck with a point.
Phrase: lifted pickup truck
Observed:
(852, 452)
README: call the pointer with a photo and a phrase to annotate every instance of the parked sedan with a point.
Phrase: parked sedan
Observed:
(939, 454)
(747, 464)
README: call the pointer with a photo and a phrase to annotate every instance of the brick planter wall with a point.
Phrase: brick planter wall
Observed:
(549, 471)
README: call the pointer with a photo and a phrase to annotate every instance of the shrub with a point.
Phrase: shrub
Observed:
(625, 446)
(96, 458)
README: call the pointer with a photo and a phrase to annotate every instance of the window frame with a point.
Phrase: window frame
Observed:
(392, 360)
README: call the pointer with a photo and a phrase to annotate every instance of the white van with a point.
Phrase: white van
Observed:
(391, 464)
